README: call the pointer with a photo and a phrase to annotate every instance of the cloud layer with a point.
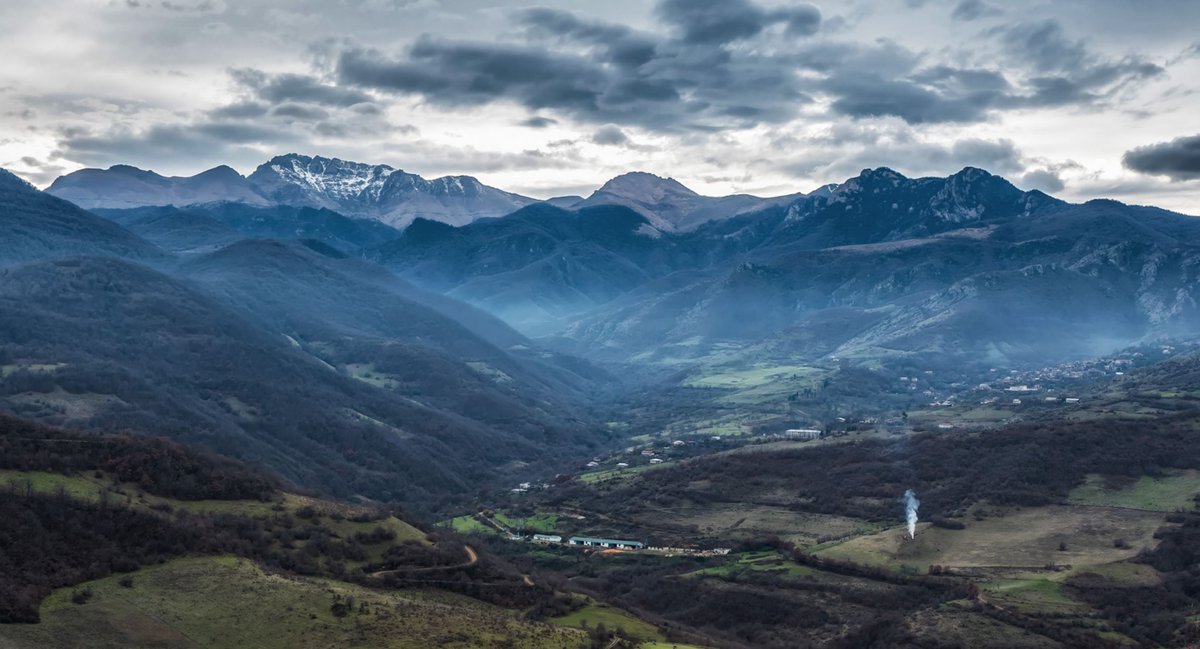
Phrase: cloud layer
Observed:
(766, 96)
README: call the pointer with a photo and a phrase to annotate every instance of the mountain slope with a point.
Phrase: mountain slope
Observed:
(669, 205)
(965, 266)
(379, 191)
(172, 360)
(34, 225)
(123, 186)
(537, 265)
(200, 228)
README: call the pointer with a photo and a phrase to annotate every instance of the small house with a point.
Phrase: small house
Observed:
(547, 538)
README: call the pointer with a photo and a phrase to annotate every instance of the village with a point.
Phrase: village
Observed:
(513, 530)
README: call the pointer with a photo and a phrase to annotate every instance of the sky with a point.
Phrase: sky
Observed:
(1079, 98)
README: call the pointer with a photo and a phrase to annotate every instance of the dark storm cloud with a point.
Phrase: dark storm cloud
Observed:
(620, 45)
(605, 72)
(680, 88)
(1178, 159)
(282, 88)
(699, 77)
(476, 73)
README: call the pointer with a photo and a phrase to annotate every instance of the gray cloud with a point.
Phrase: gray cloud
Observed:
(36, 171)
(695, 79)
(1065, 71)
(618, 44)
(974, 10)
(240, 110)
(1045, 180)
(538, 121)
(857, 149)
(1178, 159)
(281, 88)
(604, 72)
(610, 135)
(679, 89)
(300, 111)
(717, 22)
(939, 94)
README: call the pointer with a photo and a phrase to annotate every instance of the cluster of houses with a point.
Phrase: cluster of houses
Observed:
(590, 542)
(624, 544)
(650, 453)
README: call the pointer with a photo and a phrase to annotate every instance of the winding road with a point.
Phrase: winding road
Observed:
(472, 559)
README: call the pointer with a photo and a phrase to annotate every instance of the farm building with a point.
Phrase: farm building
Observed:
(802, 433)
(656, 461)
(614, 544)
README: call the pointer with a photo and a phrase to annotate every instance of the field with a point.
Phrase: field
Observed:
(733, 522)
(540, 523)
(60, 404)
(965, 416)
(1162, 494)
(1023, 538)
(593, 615)
(228, 602)
(751, 377)
(33, 368)
(763, 561)
(367, 373)
(470, 525)
(611, 474)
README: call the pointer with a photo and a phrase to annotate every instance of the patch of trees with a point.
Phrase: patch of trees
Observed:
(1027, 465)
(1155, 615)
(158, 466)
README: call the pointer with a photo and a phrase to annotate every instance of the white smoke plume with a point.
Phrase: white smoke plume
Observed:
(911, 505)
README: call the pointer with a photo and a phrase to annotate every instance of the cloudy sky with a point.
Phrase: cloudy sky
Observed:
(1081, 98)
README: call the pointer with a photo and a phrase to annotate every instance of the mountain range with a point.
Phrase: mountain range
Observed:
(881, 266)
(383, 193)
(424, 359)
(355, 189)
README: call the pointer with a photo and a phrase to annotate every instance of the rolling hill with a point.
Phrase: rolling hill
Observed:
(34, 225)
